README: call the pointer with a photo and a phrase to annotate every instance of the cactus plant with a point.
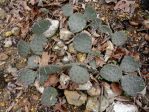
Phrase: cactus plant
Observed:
(78, 74)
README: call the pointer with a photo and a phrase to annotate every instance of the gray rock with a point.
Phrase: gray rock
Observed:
(15, 31)
(121, 107)
(104, 103)
(94, 91)
(75, 98)
(92, 104)
(2, 14)
(52, 29)
(65, 34)
(85, 86)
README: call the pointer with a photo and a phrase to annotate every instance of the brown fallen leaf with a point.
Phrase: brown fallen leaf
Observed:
(44, 59)
(125, 6)
(52, 80)
(116, 88)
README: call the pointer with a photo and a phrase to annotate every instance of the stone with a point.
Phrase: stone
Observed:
(71, 48)
(75, 98)
(64, 79)
(2, 14)
(92, 104)
(3, 56)
(65, 34)
(15, 31)
(8, 42)
(81, 57)
(108, 91)
(121, 107)
(85, 86)
(104, 104)
(52, 29)
(94, 91)
(2, 2)
(65, 59)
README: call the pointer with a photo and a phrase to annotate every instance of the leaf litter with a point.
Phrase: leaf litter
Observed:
(51, 70)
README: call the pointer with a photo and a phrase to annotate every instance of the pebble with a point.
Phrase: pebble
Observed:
(86, 86)
(65, 34)
(81, 57)
(104, 104)
(2, 14)
(3, 56)
(52, 29)
(15, 31)
(71, 49)
(8, 34)
(94, 91)
(75, 98)
(2, 2)
(65, 59)
(121, 107)
(8, 42)
(64, 79)
(92, 104)
(108, 91)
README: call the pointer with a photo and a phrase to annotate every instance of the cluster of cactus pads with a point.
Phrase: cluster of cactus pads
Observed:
(82, 43)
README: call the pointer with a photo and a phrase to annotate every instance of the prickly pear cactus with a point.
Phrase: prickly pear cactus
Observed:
(82, 42)
(111, 72)
(67, 10)
(27, 76)
(44, 72)
(79, 74)
(23, 48)
(129, 64)
(76, 22)
(132, 84)
(49, 95)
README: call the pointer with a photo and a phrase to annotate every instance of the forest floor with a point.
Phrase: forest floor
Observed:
(16, 20)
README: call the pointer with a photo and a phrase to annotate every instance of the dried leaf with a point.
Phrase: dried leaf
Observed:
(52, 80)
(44, 59)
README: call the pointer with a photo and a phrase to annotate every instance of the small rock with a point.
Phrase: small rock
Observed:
(52, 29)
(64, 79)
(60, 44)
(146, 23)
(8, 42)
(121, 107)
(65, 34)
(92, 105)
(2, 14)
(75, 98)
(104, 104)
(15, 31)
(81, 57)
(71, 49)
(1, 38)
(2, 2)
(108, 91)
(85, 86)
(147, 37)
(3, 56)
(65, 59)
(8, 33)
(111, 1)
(94, 91)
(56, 48)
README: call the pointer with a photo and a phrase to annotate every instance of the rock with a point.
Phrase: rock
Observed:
(94, 91)
(65, 59)
(81, 57)
(64, 79)
(60, 44)
(52, 29)
(121, 107)
(75, 98)
(65, 34)
(111, 1)
(92, 104)
(85, 86)
(2, 14)
(108, 91)
(3, 56)
(8, 34)
(8, 42)
(104, 104)
(1, 38)
(2, 2)
(15, 31)
(71, 48)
